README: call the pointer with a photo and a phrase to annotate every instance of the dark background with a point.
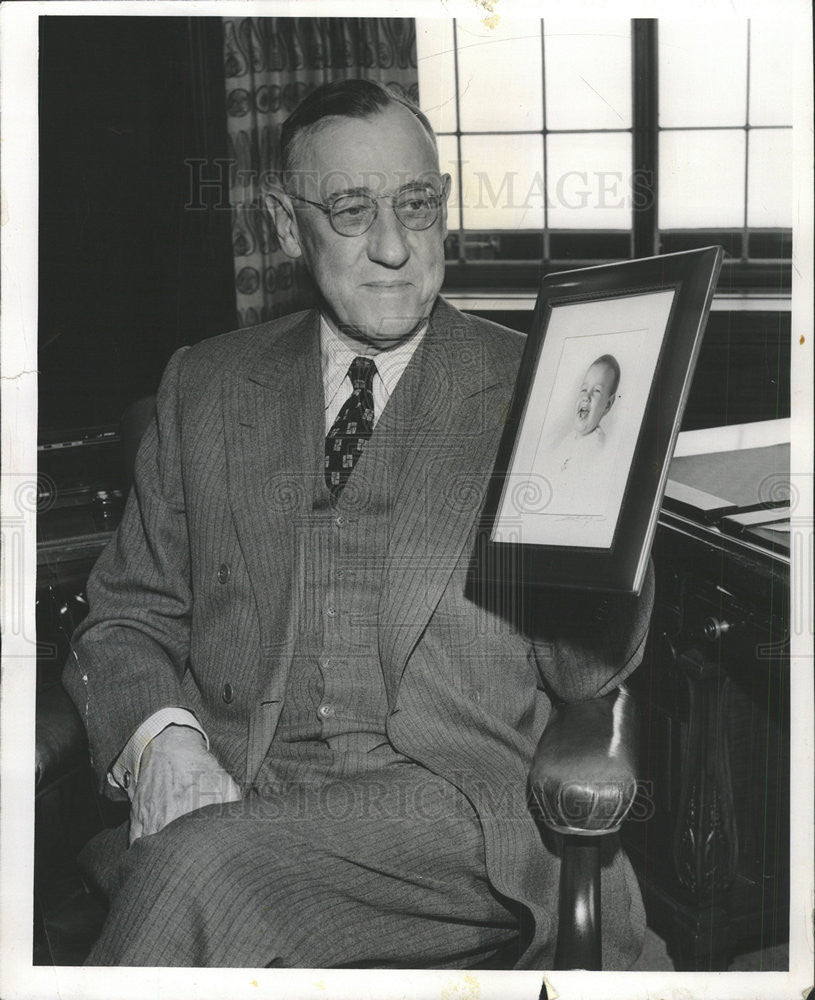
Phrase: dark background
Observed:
(128, 273)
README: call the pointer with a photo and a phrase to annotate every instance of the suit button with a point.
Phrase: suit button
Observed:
(326, 711)
(223, 573)
(475, 697)
(227, 694)
(126, 777)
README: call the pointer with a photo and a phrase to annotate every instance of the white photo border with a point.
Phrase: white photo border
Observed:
(18, 361)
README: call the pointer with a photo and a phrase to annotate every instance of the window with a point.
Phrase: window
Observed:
(558, 160)
(745, 202)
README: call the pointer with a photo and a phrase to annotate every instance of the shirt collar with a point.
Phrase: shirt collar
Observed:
(336, 357)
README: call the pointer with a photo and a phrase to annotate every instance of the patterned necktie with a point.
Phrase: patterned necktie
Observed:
(352, 428)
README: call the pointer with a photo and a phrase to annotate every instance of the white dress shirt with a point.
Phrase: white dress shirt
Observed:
(335, 359)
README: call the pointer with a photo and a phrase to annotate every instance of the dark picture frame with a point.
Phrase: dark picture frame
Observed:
(576, 505)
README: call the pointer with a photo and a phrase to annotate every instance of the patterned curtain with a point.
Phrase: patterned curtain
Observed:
(271, 63)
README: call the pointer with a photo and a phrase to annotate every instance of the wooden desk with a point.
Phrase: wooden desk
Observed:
(714, 691)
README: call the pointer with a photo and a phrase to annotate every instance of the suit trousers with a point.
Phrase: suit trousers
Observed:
(332, 859)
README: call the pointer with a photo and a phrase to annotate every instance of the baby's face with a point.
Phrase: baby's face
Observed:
(594, 398)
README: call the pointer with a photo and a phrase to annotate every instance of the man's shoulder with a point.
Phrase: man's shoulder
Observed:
(244, 341)
(247, 350)
(502, 344)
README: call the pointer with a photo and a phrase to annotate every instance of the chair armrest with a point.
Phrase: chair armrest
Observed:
(61, 745)
(584, 774)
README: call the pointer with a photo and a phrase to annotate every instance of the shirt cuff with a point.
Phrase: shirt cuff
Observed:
(125, 770)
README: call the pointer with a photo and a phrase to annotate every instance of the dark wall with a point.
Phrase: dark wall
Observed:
(127, 273)
(743, 372)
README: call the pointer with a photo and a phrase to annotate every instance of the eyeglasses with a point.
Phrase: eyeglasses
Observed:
(354, 214)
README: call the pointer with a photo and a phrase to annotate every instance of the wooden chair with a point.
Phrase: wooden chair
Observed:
(584, 779)
(592, 739)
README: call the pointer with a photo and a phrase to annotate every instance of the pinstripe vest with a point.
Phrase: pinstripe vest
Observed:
(335, 689)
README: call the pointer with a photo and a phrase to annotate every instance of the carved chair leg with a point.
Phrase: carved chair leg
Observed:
(578, 940)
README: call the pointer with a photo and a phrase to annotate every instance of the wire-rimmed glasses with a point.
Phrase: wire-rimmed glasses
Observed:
(354, 213)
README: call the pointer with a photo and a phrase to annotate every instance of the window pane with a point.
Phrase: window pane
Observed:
(702, 72)
(437, 72)
(448, 164)
(588, 73)
(769, 178)
(701, 179)
(588, 179)
(499, 75)
(503, 181)
(771, 47)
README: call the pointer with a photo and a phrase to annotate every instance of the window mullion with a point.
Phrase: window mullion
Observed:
(645, 117)
(745, 237)
(462, 256)
(546, 242)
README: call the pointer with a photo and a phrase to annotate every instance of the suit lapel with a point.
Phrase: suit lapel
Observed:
(449, 453)
(273, 414)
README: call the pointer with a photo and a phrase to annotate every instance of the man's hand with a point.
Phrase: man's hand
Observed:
(177, 775)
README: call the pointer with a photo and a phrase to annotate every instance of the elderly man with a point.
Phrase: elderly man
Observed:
(324, 733)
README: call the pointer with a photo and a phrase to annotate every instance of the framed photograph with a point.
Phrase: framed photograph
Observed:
(603, 382)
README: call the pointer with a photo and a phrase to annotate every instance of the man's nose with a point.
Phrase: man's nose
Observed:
(387, 238)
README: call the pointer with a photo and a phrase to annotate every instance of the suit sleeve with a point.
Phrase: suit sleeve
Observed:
(129, 655)
(586, 645)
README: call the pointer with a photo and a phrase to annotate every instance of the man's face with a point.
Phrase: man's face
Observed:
(379, 286)
(594, 398)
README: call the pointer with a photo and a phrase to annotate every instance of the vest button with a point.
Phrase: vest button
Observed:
(223, 573)
(326, 711)
(227, 694)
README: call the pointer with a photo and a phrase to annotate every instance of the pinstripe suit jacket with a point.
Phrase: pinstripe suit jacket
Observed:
(222, 482)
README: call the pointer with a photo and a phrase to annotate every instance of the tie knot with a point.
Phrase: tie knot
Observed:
(361, 372)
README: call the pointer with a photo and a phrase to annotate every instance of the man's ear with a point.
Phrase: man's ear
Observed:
(445, 194)
(279, 206)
